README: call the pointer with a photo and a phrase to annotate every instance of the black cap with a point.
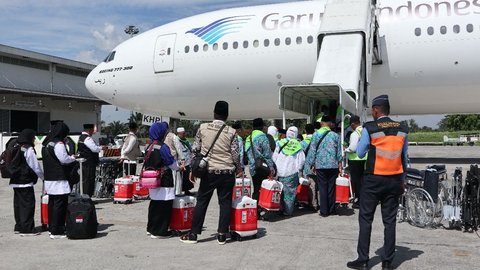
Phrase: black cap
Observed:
(355, 119)
(132, 125)
(237, 125)
(282, 131)
(381, 100)
(258, 123)
(221, 108)
(88, 126)
(309, 129)
(54, 122)
(326, 118)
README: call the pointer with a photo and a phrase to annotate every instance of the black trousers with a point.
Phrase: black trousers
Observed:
(159, 214)
(24, 209)
(89, 172)
(326, 187)
(132, 170)
(186, 184)
(224, 184)
(357, 167)
(386, 190)
(257, 185)
(57, 213)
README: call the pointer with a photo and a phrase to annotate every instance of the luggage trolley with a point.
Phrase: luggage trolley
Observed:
(107, 171)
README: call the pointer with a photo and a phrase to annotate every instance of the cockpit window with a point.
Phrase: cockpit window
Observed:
(109, 57)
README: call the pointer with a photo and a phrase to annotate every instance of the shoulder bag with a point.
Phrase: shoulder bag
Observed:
(261, 167)
(150, 177)
(200, 162)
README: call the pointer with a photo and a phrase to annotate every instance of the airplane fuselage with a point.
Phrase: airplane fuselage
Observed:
(243, 56)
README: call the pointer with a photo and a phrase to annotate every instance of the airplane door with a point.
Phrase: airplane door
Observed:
(164, 53)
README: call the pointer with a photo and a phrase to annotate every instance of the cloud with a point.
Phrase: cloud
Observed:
(108, 37)
(87, 57)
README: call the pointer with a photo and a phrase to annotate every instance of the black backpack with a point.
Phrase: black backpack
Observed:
(6, 160)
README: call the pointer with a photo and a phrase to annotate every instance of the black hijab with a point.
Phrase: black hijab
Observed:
(58, 133)
(26, 137)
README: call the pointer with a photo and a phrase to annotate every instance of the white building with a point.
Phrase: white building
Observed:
(36, 88)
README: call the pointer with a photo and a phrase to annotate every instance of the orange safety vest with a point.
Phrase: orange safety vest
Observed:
(385, 154)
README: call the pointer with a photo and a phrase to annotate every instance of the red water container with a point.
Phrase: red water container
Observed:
(244, 216)
(44, 211)
(123, 190)
(270, 195)
(342, 189)
(139, 193)
(182, 213)
(243, 187)
(303, 191)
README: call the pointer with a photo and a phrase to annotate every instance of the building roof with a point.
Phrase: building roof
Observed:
(24, 71)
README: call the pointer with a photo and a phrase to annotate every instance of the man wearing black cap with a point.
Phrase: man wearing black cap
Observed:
(89, 150)
(259, 143)
(223, 165)
(387, 145)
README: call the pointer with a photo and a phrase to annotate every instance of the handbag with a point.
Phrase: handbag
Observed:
(149, 177)
(200, 162)
(261, 167)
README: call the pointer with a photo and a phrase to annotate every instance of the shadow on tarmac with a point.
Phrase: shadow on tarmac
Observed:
(402, 254)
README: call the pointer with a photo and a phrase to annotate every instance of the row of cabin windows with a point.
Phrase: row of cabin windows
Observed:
(443, 30)
(245, 44)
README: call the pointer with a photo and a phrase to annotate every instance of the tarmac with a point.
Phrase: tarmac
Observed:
(304, 241)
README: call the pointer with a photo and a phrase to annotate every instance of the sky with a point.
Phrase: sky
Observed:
(87, 31)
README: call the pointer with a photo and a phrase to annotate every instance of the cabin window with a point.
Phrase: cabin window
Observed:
(277, 42)
(235, 45)
(266, 42)
(443, 30)
(195, 48)
(225, 45)
(187, 49)
(245, 44)
(418, 31)
(256, 43)
(169, 51)
(310, 39)
(430, 30)
(456, 28)
(205, 47)
(469, 28)
(215, 46)
(299, 40)
(288, 41)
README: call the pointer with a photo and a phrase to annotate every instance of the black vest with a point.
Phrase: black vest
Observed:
(52, 168)
(92, 159)
(155, 161)
(21, 171)
(389, 136)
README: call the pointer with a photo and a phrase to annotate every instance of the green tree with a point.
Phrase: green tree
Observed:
(455, 122)
(115, 128)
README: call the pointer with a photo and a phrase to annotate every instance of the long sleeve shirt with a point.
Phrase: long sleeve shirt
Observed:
(33, 163)
(129, 147)
(91, 144)
(354, 138)
(261, 145)
(327, 155)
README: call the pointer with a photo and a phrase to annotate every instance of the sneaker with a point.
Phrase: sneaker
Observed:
(148, 233)
(30, 234)
(221, 238)
(189, 238)
(57, 236)
(160, 236)
(16, 232)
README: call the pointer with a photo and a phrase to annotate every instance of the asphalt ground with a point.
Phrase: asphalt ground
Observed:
(304, 241)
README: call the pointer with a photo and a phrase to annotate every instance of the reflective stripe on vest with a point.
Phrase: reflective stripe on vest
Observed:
(388, 152)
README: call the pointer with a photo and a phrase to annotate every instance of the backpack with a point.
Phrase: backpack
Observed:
(6, 160)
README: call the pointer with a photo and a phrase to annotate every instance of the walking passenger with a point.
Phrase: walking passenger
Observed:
(88, 150)
(223, 164)
(186, 149)
(289, 159)
(387, 145)
(258, 142)
(273, 131)
(161, 199)
(325, 157)
(25, 171)
(130, 150)
(241, 146)
(355, 163)
(56, 165)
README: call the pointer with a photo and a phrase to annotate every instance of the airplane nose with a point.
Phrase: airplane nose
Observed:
(95, 84)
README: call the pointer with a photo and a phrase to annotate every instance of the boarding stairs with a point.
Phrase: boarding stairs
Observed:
(347, 41)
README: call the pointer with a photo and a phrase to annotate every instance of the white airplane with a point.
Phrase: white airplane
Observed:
(429, 53)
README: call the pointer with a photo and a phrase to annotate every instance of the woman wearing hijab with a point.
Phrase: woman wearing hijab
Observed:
(55, 163)
(25, 172)
(289, 158)
(161, 199)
